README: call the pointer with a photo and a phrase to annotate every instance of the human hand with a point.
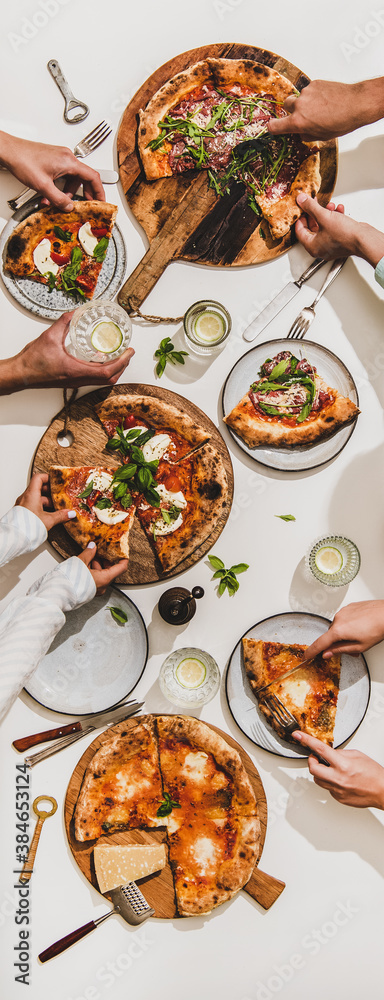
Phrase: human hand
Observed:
(352, 778)
(104, 573)
(36, 499)
(325, 232)
(44, 362)
(354, 629)
(38, 165)
(323, 110)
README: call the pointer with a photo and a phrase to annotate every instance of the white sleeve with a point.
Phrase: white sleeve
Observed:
(20, 531)
(29, 624)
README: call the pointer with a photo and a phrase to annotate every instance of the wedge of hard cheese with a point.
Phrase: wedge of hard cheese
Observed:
(116, 866)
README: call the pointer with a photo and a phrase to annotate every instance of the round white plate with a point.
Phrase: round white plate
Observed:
(93, 662)
(295, 626)
(36, 298)
(328, 366)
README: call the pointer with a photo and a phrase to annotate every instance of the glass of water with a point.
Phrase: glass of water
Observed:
(99, 331)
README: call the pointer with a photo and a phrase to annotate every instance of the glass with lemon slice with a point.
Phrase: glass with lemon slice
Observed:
(99, 331)
(334, 560)
(189, 677)
(207, 326)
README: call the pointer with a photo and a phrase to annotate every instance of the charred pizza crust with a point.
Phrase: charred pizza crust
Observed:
(267, 432)
(112, 540)
(310, 694)
(155, 412)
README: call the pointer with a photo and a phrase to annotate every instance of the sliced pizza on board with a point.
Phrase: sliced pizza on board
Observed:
(310, 693)
(199, 119)
(289, 405)
(101, 516)
(64, 250)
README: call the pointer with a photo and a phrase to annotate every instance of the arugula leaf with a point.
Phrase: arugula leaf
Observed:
(101, 249)
(280, 369)
(103, 503)
(286, 517)
(118, 614)
(166, 805)
(62, 234)
(166, 353)
(71, 272)
(87, 491)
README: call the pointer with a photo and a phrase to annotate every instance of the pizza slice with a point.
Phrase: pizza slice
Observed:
(170, 434)
(199, 119)
(310, 693)
(289, 405)
(102, 514)
(122, 786)
(64, 250)
(213, 829)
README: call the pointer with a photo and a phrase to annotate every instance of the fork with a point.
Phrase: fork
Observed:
(287, 722)
(304, 319)
(82, 148)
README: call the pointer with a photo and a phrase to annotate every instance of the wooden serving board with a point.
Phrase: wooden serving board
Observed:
(182, 216)
(88, 448)
(158, 888)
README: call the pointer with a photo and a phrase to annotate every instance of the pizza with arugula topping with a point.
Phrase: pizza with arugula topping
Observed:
(64, 250)
(289, 405)
(200, 119)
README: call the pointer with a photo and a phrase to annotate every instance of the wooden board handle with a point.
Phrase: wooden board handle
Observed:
(50, 734)
(143, 278)
(265, 889)
(65, 942)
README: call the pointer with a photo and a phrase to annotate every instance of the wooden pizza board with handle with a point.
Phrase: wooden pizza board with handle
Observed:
(158, 888)
(182, 216)
(89, 448)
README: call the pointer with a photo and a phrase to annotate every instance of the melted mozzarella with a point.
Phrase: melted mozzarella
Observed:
(110, 515)
(195, 765)
(178, 499)
(204, 852)
(101, 480)
(42, 258)
(154, 449)
(87, 239)
(162, 528)
(173, 824)
(297, 690)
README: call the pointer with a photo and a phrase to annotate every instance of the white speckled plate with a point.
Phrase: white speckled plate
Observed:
(328, 366)
(93, 663)
(36, 298)
(355, 683)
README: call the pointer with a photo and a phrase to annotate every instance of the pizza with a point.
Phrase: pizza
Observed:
(310, 693)
(171, 480)
(175, 772)
(289, 405)
(199, 119)
(63, 250)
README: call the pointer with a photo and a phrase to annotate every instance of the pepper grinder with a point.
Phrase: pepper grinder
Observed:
(178, 605)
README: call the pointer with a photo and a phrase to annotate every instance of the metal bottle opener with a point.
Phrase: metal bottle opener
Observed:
(42, 815)
(71, 102)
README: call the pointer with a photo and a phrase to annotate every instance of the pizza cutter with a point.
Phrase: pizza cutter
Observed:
(42, 814)
(71, 102)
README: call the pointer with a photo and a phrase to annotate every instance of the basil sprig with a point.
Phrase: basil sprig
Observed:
(166, 352)
(228, 577)
(87, 491)
(103, 503)
(166, 805)
(63, 234)
(137, 474)
(101, 249)
(71, 272)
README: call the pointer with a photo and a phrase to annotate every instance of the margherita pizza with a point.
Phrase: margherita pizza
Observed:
(172, 479)
(289, 405)
(64, 250)
(310, 693)
(175, 772)
(199, 120)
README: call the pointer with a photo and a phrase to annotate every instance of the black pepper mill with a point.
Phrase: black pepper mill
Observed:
(178, 605)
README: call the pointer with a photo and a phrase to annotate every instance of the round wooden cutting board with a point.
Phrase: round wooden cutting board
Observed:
(88, 448)
(158, 888)
(182, 216)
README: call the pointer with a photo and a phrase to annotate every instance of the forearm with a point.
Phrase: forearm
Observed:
(369, 243)
(12, 376)
(369, 101)
(8, 150)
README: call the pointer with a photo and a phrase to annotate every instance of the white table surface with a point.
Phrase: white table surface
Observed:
(324, 935)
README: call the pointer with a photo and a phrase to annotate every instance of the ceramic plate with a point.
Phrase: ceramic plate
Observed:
(93, 662)
(329, 367)
(355, 683)
(36, 298)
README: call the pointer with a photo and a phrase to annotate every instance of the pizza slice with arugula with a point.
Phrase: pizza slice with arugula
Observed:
(63, 250)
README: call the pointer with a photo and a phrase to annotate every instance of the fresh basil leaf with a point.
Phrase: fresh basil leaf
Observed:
(218, 574)
(132, 434)
(167, 804)
(124, 472)
(126, 501)
(76, 256)
(103, 503)
(222, 586)
(144, 437)
(84, 506)
(216, 562)
(113, 444)
(62, 235)
(286, 517)
(120, 490)
(160, 367)
(166, 517)
(144, 477)
(178, 356)
(118, 614)
(101, 249)
(87, 491)
(152, 496)
(239, 568)
(106, 826)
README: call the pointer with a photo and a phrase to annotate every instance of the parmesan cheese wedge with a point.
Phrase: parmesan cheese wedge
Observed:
(116, 865)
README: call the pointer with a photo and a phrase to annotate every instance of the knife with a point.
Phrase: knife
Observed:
(127, 901)
(281, 299)
(28, 194)
(89, 723)
(283, 676)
